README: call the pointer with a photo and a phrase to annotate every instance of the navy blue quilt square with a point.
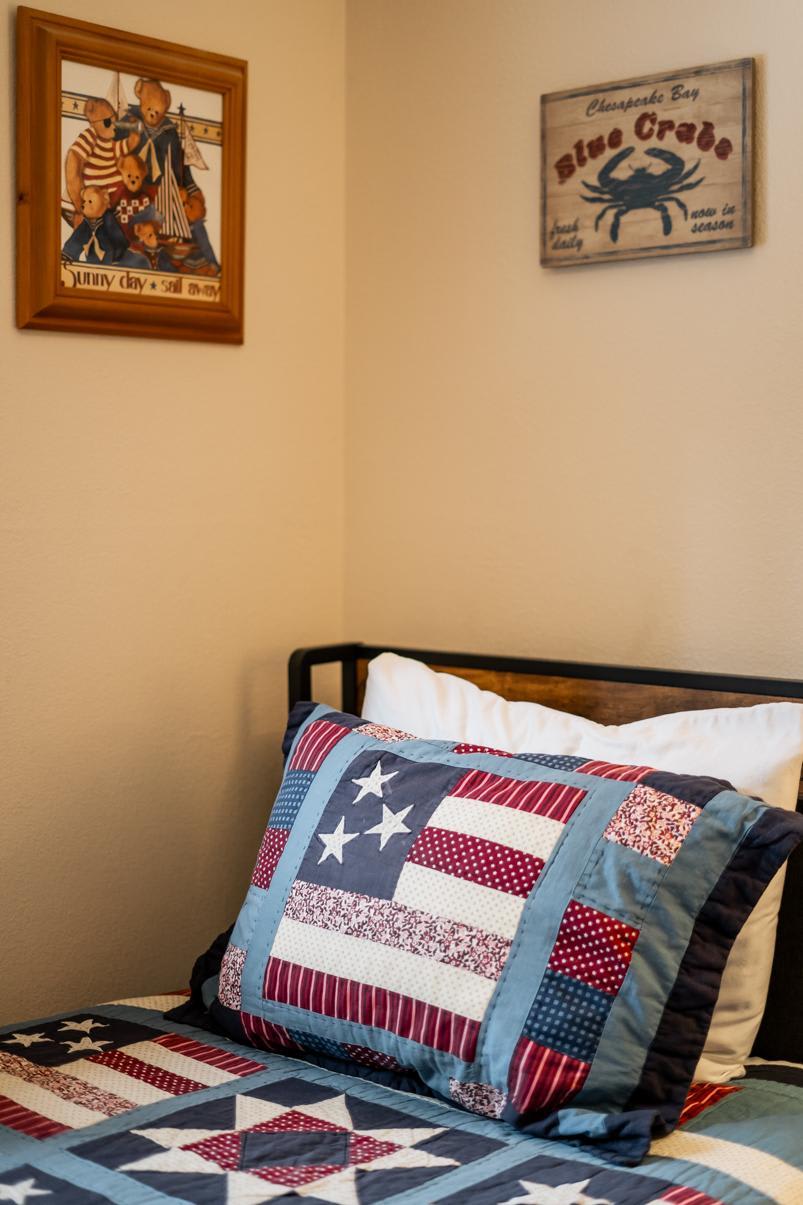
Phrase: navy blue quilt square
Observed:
(379, 807)
(302, 1148)
(311, 1041)
(55, 1043)
(568, 1016)
(25, 1184)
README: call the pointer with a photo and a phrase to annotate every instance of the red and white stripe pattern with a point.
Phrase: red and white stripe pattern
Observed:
(101, 159)
(681, 1195)
(41, 1100)
(26, 1121)
(484, 847)
(554, 800)
(267, 1036)
(317, 742)
(605, 769)
(702, 1096)
(541, 1080)
(367, 1004)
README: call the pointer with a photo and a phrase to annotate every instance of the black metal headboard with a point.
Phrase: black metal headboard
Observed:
(590, 688)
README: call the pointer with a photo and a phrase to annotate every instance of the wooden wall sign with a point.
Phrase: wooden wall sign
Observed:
(130, 183)
(660, 165)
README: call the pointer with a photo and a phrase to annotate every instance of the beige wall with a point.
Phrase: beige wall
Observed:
(161, 510)
(603, 463)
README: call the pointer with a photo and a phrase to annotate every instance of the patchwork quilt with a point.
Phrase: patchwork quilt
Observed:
(115, 1103)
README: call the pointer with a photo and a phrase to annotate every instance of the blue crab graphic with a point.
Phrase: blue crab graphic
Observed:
(644, 189)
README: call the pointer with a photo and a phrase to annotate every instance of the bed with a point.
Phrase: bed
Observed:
(148, 1100)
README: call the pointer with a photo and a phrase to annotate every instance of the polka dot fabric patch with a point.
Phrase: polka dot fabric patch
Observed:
(484, 862)
(593, 947)
(271, 849)
(292, 794)
(568, 1016)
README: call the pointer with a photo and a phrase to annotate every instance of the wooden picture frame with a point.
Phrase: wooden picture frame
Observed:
(84, 261)
(652, 166)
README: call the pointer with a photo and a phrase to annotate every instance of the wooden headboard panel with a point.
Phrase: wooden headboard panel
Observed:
(612, 694)
(608, 694)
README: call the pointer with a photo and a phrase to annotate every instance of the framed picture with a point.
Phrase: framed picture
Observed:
(660, 165)
(130, 183)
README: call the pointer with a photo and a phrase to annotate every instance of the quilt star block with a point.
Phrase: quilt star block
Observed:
(288, 1137)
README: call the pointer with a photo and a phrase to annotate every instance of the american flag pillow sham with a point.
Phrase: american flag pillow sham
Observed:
(535, 938)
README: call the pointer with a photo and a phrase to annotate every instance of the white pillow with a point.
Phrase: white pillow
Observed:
(758, 749)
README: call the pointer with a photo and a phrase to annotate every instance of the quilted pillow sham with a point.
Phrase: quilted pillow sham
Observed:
(758, 749)
(537, 938)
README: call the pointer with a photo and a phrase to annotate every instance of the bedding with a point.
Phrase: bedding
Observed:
(536, 938)
(759, 749)
(117, 1104)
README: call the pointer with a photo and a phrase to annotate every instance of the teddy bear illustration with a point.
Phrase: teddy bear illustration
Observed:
(94, 157)
(145, 251)
(132, 195)
(159, 141)
(204, 261)
(98, 238)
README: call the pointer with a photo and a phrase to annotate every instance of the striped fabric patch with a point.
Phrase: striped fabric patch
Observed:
(317, 743)
(27, 1121)
(702, 1096)
(553, 799)
(348, 1000)
(605, 769)
(542, 1079)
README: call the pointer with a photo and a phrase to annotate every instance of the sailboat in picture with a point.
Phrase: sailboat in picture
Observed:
(170, 205)
(189, 147)
(116, 96)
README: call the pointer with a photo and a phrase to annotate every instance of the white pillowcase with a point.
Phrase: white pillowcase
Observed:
(758, 749)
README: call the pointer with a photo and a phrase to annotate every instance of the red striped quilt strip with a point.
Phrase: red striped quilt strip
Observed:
(266, 1035)
(681, 1195)
(552, 799)
(271, 849)
(702, 1096)
(319, 992)
(474, 858)
(541, 1079)
(234, 1064)
(17, 1117)
(604, 769)
(398, 926)
(318, 741)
